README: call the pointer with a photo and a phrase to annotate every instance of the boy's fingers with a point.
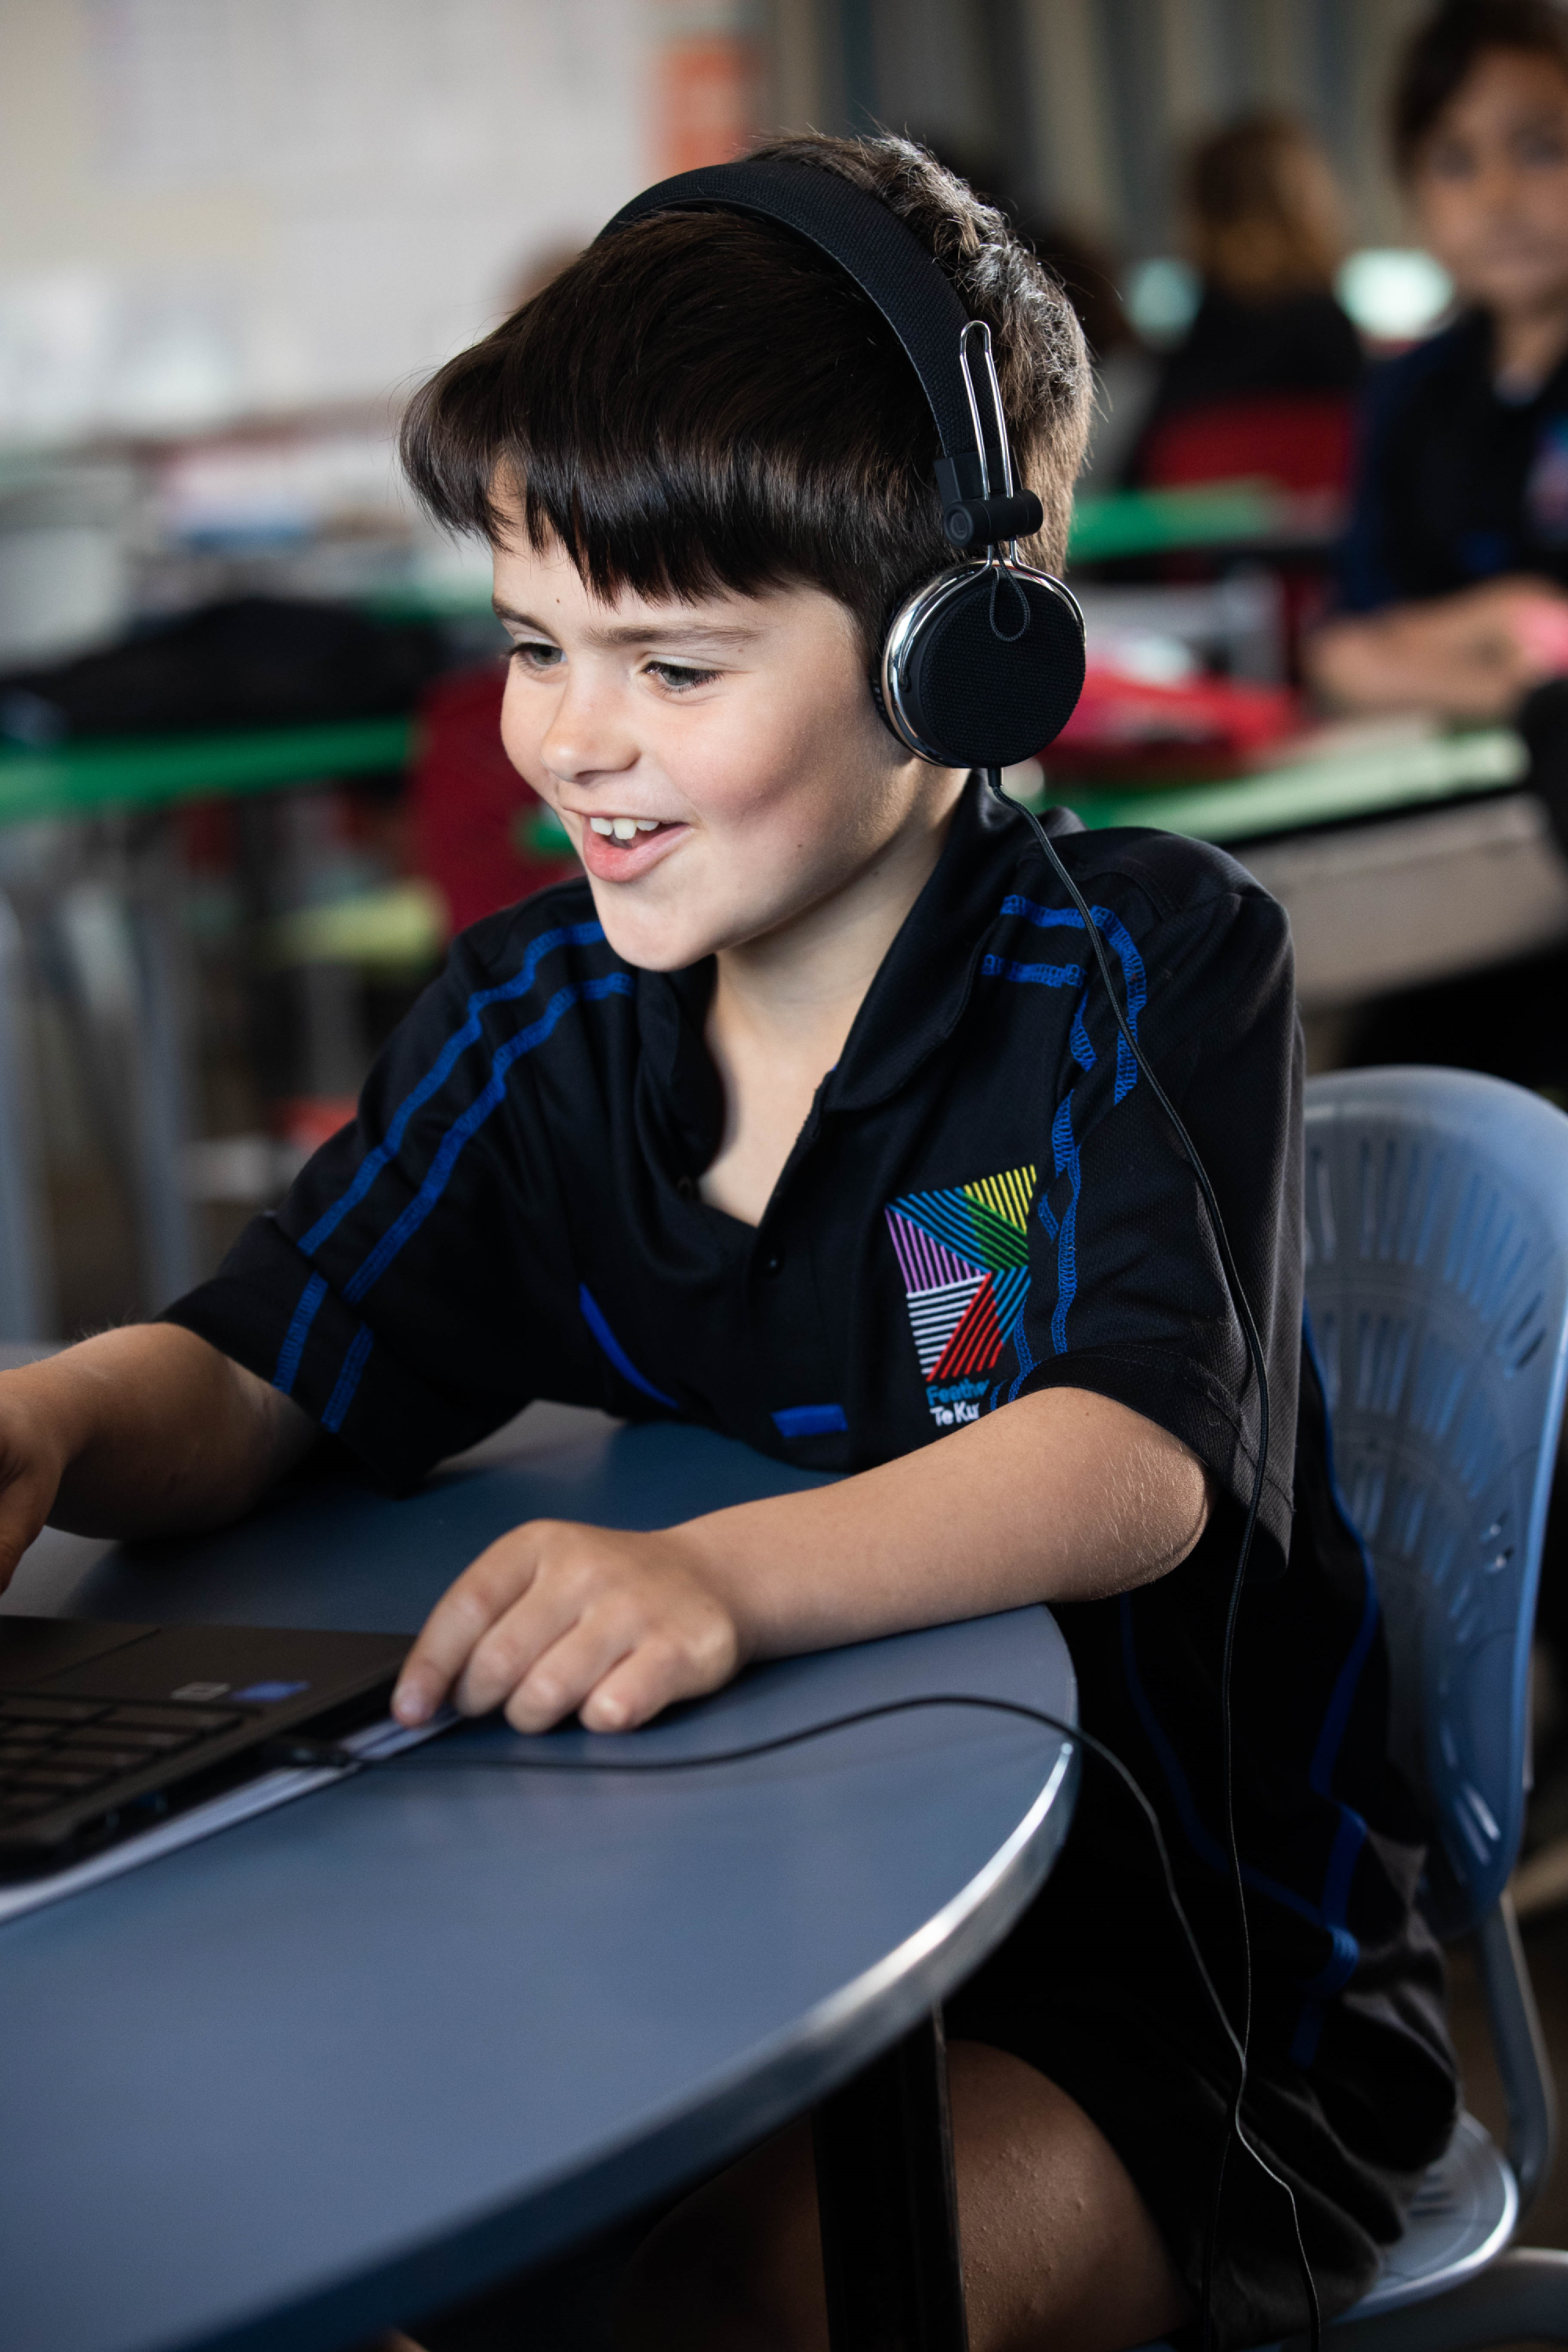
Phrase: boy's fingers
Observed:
(458, 1623)
(512, 1648)
(560, 1680)
(655, 1675)
(23, 1509)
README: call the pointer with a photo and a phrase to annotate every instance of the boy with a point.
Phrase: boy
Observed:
(1456, 560)
(783, 1122)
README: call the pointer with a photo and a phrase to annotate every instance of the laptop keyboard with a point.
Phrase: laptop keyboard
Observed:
(56, 1751)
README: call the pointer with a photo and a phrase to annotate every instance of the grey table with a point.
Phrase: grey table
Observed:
(367, 2055)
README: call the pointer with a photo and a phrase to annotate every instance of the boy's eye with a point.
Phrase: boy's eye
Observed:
(677, 675)
(534, 654)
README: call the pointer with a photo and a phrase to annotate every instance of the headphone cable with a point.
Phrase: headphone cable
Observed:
(1244, 1317)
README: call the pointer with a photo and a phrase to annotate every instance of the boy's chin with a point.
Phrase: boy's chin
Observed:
(649, 943)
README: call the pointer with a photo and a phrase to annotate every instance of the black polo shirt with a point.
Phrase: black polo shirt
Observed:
(984, 1202)
(1456, 483)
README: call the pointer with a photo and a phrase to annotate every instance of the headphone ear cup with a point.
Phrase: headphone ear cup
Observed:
(982, 666)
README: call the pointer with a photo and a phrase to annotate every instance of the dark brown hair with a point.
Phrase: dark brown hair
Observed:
(1263, 208)
(1442, 53)
(704, 401)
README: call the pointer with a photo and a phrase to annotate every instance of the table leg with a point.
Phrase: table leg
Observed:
(889, 2208)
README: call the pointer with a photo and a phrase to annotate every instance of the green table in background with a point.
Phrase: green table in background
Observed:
(116, 954)
(1214, 519)
(74, 779)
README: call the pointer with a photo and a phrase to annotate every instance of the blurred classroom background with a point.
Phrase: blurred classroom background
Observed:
(248, 773)
(249, 779)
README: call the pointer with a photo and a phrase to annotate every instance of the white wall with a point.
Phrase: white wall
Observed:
(213, 207)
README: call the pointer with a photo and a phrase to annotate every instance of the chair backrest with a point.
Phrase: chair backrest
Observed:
(1437, 1289)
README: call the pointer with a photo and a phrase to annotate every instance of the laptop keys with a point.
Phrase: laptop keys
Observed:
(190, 1720)
(19, 1707)
(97, 1761)
(56, 1751)
(110, 1735)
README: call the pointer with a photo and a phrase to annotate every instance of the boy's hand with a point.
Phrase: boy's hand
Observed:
(32, 1458)
(1471, 654)
(556, 1618)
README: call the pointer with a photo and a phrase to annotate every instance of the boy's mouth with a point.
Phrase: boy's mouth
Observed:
(623, 827)
(619, 848)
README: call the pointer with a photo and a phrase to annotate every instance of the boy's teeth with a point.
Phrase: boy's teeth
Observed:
(624, 828)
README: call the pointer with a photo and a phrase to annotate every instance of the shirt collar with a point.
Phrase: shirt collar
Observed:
(923, 984)
(680, 1100)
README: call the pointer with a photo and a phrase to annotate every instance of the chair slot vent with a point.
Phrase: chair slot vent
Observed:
(1383, 1357)
(1439, 1383)
(1458, 1253)
(1320, 1195)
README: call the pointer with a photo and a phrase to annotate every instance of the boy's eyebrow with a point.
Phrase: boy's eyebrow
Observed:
(634, 633)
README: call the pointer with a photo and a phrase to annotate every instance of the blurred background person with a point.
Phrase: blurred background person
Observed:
(1455, 565)
(1263, 379)
(1126, 372)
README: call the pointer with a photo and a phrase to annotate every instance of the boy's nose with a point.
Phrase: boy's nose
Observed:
(587, 737)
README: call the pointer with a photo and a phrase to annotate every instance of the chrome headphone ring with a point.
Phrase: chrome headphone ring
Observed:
(915, 615)
(899, 645)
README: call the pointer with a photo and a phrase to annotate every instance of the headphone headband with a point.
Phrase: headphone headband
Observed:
(870, 243)
(964, 680)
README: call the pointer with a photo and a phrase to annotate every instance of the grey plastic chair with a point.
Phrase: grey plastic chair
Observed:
(1437, 1288)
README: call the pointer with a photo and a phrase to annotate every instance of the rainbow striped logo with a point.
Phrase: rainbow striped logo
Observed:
(964, 1256)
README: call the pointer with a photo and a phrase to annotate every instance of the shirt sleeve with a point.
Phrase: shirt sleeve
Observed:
(414, 1285)
(1127, 1293)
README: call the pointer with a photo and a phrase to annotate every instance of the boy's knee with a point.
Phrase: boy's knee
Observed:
(736, 2268)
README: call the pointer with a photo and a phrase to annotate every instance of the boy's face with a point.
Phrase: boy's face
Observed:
(720, 766)
(1490, 184)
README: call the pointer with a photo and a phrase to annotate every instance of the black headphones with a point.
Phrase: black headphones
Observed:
(983, 664)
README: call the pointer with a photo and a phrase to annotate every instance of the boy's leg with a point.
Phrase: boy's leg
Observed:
(1058, 2246)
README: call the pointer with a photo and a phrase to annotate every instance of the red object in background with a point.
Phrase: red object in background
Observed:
(1299, 440)
(307, 1121)
(1200, 726)
(473, 818)
(708, 99)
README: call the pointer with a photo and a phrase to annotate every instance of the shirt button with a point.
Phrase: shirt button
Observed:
(687, 1187)
(771, 1266)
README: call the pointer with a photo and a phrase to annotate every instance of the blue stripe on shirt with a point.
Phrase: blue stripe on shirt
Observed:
(343, 1395)
(594, 1317)
(1134, 981)
(299, 1331)
(464, 1128)
(466, 1034)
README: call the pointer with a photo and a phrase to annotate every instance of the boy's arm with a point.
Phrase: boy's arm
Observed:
(1064, 1496)
(1473, 655)
(140, 1432)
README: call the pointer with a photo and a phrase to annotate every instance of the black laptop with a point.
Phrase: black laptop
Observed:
(107, 1729)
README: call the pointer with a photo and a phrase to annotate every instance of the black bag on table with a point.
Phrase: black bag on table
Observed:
(250, 661)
